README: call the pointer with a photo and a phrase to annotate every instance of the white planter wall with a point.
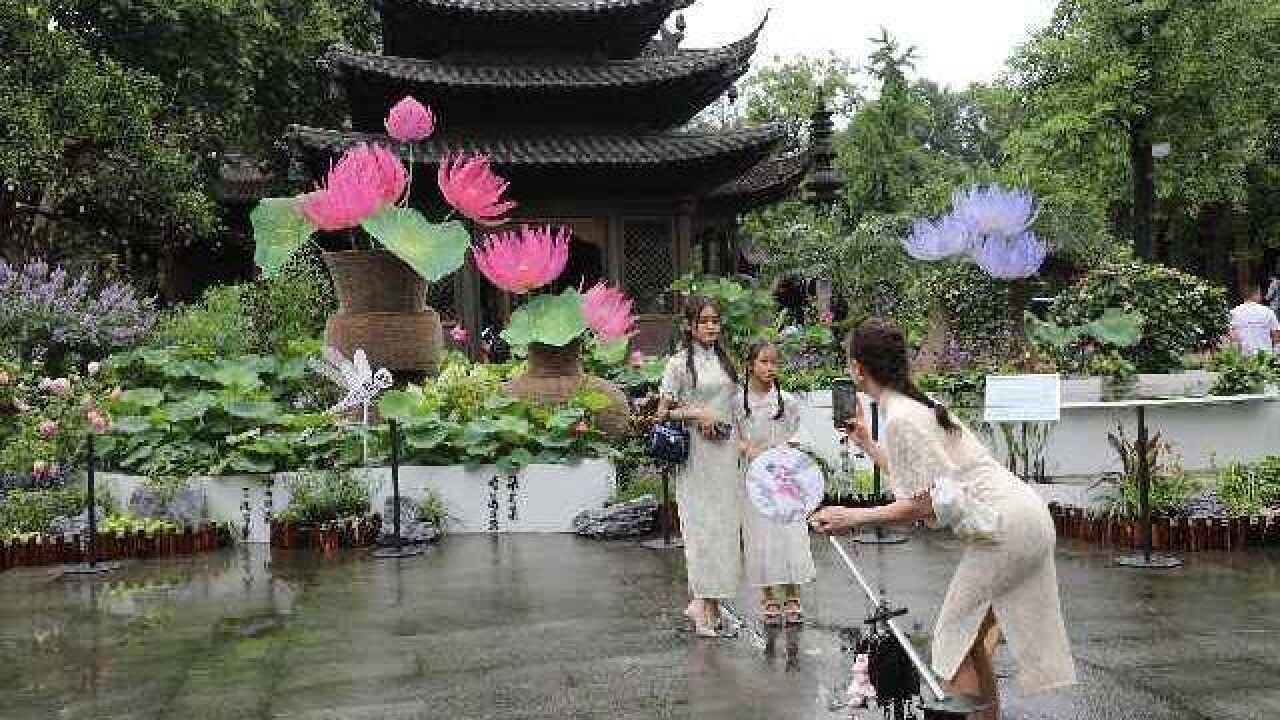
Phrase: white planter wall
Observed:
(1204, 435)
(540, 498)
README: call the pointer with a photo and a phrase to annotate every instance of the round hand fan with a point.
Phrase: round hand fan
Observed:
(785, 484)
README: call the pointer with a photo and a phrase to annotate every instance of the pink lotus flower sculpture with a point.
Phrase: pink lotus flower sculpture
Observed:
(366, 178)
(369, 188)
(472, 188)
(410, 121)
(524, 260)
(608, 313)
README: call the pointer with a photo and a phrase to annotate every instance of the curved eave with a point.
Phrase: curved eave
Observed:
(491, 9)
(770, 181)
(638, 151)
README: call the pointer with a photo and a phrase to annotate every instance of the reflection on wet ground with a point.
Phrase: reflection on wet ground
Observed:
(558, 627)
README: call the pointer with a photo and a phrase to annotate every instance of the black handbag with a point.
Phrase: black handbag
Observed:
(669, 442)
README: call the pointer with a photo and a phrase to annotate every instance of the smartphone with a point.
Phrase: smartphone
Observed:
(844, 401)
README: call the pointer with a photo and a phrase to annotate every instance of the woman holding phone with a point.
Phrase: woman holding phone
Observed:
(698, 388)
(1006, 581)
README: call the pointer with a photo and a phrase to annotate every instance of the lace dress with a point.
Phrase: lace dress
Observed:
(775, 553)
(1008, 563)
(708, 487)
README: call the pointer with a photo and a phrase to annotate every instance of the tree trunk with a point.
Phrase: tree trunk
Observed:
(1144, 187)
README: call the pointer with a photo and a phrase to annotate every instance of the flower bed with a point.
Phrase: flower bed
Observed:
(1171, 534)
(326, 537)
(34, 550)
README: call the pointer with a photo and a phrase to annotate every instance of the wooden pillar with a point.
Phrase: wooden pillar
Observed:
(683, 237)
(467, 293)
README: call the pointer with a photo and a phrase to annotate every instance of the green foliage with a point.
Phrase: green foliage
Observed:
(431, 509)
(31, 511)
(324, 496)
(788, 92)
(1092, 348)
(464, 418)
(1170, 484)
(218, 321)
(650, 485)
(120, 524)
(977, 308)
(261, 317)
(1250, 488)
(818, 377)
(746, 312)
(191, 413)
(555, 320)
(611, 362)
(1199, 75)
(1182, 314)
(1241, 374)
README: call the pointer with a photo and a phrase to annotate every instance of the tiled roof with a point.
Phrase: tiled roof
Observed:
(546, 7)
(719, 65)
(565, 150)
(771, 179)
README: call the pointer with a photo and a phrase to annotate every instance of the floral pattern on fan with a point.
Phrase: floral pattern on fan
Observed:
(785, 484)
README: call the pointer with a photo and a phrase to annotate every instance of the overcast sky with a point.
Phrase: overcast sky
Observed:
(958, 41)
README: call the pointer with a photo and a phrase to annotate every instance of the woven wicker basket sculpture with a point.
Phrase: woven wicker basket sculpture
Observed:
(383, 309)
(555, 374)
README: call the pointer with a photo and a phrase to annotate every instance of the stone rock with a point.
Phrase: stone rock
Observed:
(74, 524)
(628, 519)
(412, 529)
(183, 509)
(1204, 504)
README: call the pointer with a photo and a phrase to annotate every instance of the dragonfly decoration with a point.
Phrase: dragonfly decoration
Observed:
(361, 383)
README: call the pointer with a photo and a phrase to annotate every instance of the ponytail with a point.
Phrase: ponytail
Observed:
(940, 412)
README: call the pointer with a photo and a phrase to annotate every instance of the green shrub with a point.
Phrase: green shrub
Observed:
(1249, 488)
(1241, 374)
(217, 321)
(318, 497)
(263, 316)
(1182, 313)
(31, 511)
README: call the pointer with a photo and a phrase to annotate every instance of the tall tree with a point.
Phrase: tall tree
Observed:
(1109, 79)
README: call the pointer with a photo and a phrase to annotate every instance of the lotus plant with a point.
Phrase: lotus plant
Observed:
(991, 226)
(369, 187)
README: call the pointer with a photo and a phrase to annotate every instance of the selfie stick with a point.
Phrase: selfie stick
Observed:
(878, 536)
(944, 706)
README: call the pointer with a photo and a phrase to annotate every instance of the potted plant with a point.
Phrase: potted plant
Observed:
(393, 250)
(552, 329)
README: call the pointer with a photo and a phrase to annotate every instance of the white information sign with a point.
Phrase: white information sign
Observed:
(1023, 398)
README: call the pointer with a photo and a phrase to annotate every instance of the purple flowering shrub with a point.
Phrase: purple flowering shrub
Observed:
(47, 315)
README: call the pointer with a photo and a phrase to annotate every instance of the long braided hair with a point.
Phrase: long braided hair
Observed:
(693, 307)
(753, 353)
(881, 348)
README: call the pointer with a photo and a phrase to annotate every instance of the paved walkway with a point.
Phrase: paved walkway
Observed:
(556, 627)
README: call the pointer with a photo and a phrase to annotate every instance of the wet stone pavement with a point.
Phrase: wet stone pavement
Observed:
(558, 627)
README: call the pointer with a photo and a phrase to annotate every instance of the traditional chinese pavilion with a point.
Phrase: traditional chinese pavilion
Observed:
(585, 106)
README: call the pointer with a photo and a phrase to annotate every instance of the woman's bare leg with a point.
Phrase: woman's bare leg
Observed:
(976, 676)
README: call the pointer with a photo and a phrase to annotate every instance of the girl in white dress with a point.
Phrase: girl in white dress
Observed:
(777, 554)
(699, 386)
(1005, 581)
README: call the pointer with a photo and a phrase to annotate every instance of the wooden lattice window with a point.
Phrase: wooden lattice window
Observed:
(648, 262)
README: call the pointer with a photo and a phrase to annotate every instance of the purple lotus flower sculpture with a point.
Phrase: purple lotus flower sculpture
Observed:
(930, 240)
(988, 224)
(994, 211)
(1010, 258)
